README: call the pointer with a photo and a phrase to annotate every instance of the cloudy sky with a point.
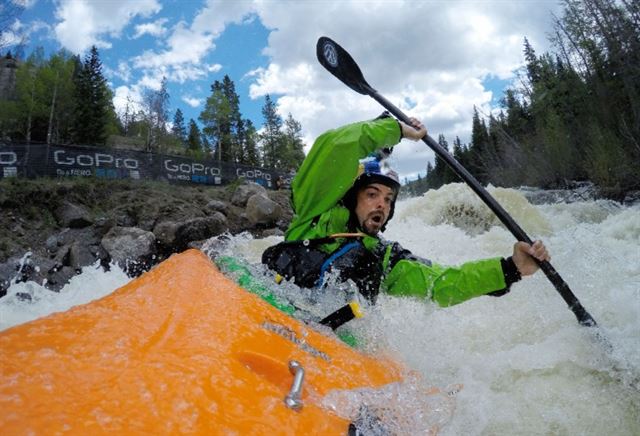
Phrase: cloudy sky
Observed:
(433, 59)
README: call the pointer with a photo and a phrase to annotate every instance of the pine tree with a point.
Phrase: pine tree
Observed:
(216, 120)
(178, 129)
(272, 138)
(294, 153)
(478, 149)
(194, 142)
(250, 146)
(92, 103)
(236, 124)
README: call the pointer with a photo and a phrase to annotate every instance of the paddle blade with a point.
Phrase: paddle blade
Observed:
(340, 63)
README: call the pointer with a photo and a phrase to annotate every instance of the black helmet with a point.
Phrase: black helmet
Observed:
(371, 171)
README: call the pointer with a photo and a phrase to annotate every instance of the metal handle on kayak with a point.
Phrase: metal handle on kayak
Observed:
(293, 400)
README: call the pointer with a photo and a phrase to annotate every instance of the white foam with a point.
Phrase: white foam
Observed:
(27, 301)
(527, 366)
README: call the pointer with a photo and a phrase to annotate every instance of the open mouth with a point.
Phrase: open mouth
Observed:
(377, 218)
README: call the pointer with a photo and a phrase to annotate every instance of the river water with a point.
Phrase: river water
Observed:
(525, 364)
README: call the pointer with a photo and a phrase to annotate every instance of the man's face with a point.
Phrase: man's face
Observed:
(373, 206)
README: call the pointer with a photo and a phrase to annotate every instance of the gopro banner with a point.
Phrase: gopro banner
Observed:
(17, 160)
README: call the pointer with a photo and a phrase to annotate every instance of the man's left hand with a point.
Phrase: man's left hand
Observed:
(524, 256)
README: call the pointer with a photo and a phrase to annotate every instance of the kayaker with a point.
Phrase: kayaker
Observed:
(343, 196)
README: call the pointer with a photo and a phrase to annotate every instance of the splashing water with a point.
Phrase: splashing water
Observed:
(525, 364)
(27, 301)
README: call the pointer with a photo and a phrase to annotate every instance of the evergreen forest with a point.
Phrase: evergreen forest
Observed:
(574, 116)
(66, 100)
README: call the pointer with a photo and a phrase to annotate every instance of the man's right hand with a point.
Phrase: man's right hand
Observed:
(415, 131)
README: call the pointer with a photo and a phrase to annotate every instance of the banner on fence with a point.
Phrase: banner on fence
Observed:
(38, 160)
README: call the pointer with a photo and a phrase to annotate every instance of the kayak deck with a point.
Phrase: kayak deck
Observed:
(180, 349)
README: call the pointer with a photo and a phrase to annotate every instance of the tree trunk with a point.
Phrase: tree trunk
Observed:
(53, 104)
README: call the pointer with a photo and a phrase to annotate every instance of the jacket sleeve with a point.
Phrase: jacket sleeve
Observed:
(331, 167)
(445, 285)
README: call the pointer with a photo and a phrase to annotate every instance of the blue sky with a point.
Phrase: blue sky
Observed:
(434, 59)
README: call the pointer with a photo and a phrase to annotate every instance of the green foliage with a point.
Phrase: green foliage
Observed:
(178, 129)
(293, 153)
(272, 140)
(221, 117)
(194, 143)
(576, 115)
(65, 100)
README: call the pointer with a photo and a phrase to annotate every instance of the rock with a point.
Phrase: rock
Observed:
(18, 230)
(125, 220)
(272, 232)
(245, 191)
(262, 210)
(217, 206)
(89, 235)
(199, 245)
(166, 231)
(631, 198)
(72, 215)
(52, 244)
(80, 255)
(146, 224)
(129, 247)
(62, 256)
(201, 228)
(59, 277)
(8, 271)
(103, 224)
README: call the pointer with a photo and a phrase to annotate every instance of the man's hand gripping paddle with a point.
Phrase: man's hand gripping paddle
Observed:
(339, 63)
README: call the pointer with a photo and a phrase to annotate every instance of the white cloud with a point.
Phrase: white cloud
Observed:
(125, 96)
(217, 14)
(21, 33)
(83, 23)
(27, 4)
(155, 28)
(187, 46)
(273, 80)
(428, 58)
(193, 102)
(214, 68)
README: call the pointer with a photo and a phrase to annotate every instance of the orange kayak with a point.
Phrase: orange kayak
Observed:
(181, 349)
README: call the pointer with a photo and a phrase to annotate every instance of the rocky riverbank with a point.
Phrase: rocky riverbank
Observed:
(51, 228)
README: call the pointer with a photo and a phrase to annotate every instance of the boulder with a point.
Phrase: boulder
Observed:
(217, 206)
(243, 192)
(199, 229)
(52, 244)
(166, 232)
(88, 235)
(59, 277)
(272, 232)
(80, 255)
(8, 271)
(129, 247)
(72, 215)
(262, 210)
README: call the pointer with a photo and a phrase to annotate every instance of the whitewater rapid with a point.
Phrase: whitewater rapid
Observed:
(526, 366)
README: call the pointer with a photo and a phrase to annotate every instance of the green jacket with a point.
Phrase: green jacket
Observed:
(324, 178)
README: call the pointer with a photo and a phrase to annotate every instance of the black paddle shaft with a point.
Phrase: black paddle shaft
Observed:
(339, 63)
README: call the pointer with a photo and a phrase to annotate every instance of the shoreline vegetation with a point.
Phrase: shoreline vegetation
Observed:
(573, 114)
(63, 222)
(56, 226)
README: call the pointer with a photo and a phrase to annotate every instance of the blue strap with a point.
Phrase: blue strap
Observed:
(336, 254)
